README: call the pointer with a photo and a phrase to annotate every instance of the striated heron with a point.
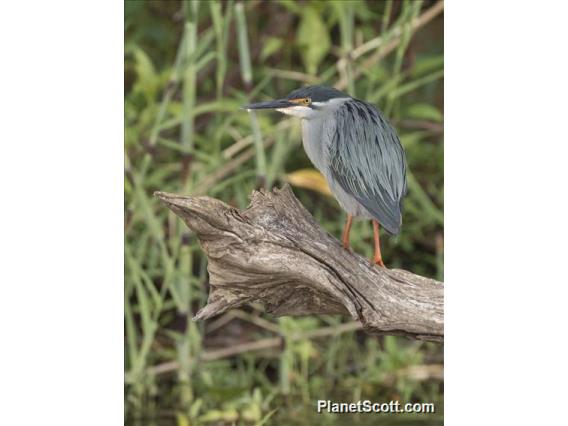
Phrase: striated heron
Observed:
(358, 152)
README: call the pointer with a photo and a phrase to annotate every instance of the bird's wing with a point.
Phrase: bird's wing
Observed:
(368, 161)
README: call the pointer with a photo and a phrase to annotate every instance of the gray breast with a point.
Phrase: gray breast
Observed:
(312, 132)
(316, 136)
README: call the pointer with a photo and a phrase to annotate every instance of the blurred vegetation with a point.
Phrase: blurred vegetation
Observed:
(188, 68)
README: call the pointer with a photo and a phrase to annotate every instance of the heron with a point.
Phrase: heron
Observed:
(357, 151)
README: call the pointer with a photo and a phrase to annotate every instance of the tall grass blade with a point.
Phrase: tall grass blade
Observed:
(246, 74)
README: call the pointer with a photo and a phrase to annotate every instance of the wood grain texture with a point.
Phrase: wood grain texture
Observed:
(275, 253)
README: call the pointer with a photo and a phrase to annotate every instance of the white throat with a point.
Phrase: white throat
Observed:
(305, 112)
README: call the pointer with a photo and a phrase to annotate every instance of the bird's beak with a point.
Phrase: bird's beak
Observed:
(277, 104)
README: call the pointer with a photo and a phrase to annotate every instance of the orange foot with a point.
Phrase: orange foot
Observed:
(376, 260)
(346, 229)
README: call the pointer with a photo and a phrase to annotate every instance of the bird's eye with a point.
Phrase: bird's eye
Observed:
(307, 101)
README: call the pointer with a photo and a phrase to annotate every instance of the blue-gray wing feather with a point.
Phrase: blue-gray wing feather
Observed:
(367, 160)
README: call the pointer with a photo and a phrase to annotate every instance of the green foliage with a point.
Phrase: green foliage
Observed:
(188, 68)
(313, 38)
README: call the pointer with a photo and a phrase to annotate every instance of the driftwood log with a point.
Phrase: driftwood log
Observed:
(275, 253)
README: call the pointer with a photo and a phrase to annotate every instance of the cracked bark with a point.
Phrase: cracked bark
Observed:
(275, 253)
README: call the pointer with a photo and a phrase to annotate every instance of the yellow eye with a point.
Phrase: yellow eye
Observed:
(302, 101)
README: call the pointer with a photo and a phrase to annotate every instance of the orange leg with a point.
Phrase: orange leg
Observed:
(346, 231)
(377, 258)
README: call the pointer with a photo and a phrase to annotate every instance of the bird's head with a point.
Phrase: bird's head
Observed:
(306, 102)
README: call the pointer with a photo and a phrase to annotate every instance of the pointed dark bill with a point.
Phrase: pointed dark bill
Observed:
(277, 104)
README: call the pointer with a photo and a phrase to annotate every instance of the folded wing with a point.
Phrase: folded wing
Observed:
(368, 161)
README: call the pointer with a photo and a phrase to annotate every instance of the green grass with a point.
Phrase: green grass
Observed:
(188, 68)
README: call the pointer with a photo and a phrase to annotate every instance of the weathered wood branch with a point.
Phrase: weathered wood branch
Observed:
(275, 253)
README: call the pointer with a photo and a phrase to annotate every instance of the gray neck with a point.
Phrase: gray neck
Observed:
(317, 133)
(311, 139)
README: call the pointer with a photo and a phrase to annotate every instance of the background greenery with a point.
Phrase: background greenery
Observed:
(188, 68)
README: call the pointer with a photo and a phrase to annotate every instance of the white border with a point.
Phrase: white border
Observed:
(61, 163)
(61, 218)
(506, 213)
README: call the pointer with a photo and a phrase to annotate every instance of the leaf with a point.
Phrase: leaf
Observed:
(313, 39)
(251, 413)
(147, 80)
(425, 112)
(305, 349)
(427, 64)
(267, 417)
(309, 179)
(182, 420)
(229, 415)
(195, 407)
(271, 46)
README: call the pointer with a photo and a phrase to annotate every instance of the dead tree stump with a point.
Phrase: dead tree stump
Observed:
(275, 253)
